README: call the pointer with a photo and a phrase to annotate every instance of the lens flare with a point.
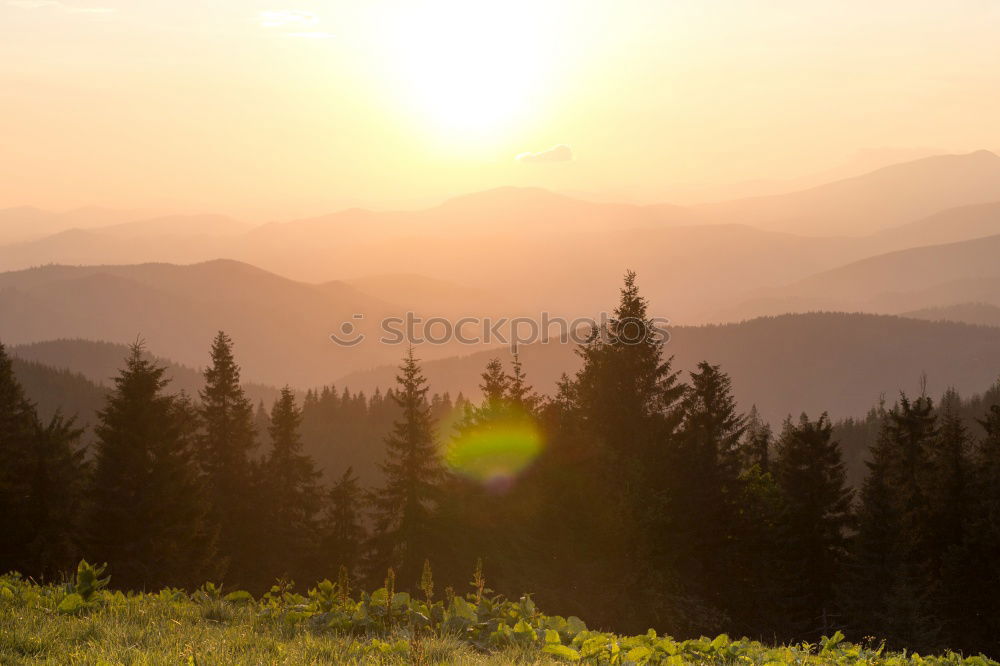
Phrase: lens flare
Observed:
(495, 454)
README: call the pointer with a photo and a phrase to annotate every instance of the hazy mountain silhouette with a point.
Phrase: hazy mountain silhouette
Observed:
(979, 314)
(894, 282)
(948, 226)
(60, 390)
(281, 328)
(178, 225)
(512, 251)
(887, 197)
(99, 362)
(444, 298)
(26, 223)
(816, 362)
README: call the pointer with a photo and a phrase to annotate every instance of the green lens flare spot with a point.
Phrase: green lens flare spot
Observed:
(496, 452)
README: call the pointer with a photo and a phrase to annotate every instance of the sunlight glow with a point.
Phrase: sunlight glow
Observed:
(472, 67)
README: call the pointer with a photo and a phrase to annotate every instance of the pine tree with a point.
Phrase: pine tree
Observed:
(404, 506)
(148, 513)
(18, 426)
(343, 522)
(484, 509)
(816, 516)
(703, 515)
(949, 498)
(290, 495)
(521, 394)
(626, 391)
(888, 590)
(225, 444)
(757, 442)
(973, 573)
(42, 478)
(495, 382)
(620, 412)
(261, 422)
(58, 474)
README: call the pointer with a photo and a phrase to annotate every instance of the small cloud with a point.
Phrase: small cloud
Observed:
(560, 153)
(310, 35)
(287, 18)
(61, 6)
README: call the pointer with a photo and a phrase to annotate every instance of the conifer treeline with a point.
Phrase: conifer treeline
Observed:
(654, 501)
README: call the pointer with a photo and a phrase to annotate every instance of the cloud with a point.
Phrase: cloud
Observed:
(55, 4)
(559, 153)
(310, 35)
(287, 18)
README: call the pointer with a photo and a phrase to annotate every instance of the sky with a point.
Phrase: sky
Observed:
(264, 109)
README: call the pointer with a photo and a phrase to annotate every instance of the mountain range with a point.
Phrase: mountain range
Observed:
(918, 238)
(525, 250)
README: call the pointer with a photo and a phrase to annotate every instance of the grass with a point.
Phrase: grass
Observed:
(165, 629)
(147, 630)
(83, 623)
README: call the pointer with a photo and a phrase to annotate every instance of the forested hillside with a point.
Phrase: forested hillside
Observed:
(635, 494)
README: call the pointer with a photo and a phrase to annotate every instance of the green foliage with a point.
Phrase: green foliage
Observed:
(85, 591)
(380, 627)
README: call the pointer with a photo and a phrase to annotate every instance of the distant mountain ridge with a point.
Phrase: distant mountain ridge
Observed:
(521, 251)
(894, 282)
(25, 223)
(814, 362)
(281, 328)
(99, 362)
(870, 203)
(978, 314)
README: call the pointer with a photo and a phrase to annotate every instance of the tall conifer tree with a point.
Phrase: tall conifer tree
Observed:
(344, 523)
(290, 495)
(18, 426)
(148, 513)
(227, 439)
(404, 505)
(810, 473)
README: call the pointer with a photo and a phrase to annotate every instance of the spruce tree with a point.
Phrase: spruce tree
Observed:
(343, 523)
(289, 495)
(815, 520)
(261, 423)
(626, 391)
(619, 412)
(18, 427)
(484, 508)
(758, 442)
(225, 444)
(147, 516)
(949, 499)
(521, 394)
(973, 573)
(404, 506)
(58, 474)
(43, 474)
(888, 589)
(703, 519)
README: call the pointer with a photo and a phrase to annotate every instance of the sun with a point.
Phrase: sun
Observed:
(469, 67)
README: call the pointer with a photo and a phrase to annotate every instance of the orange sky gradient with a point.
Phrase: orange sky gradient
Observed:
(270, 110)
